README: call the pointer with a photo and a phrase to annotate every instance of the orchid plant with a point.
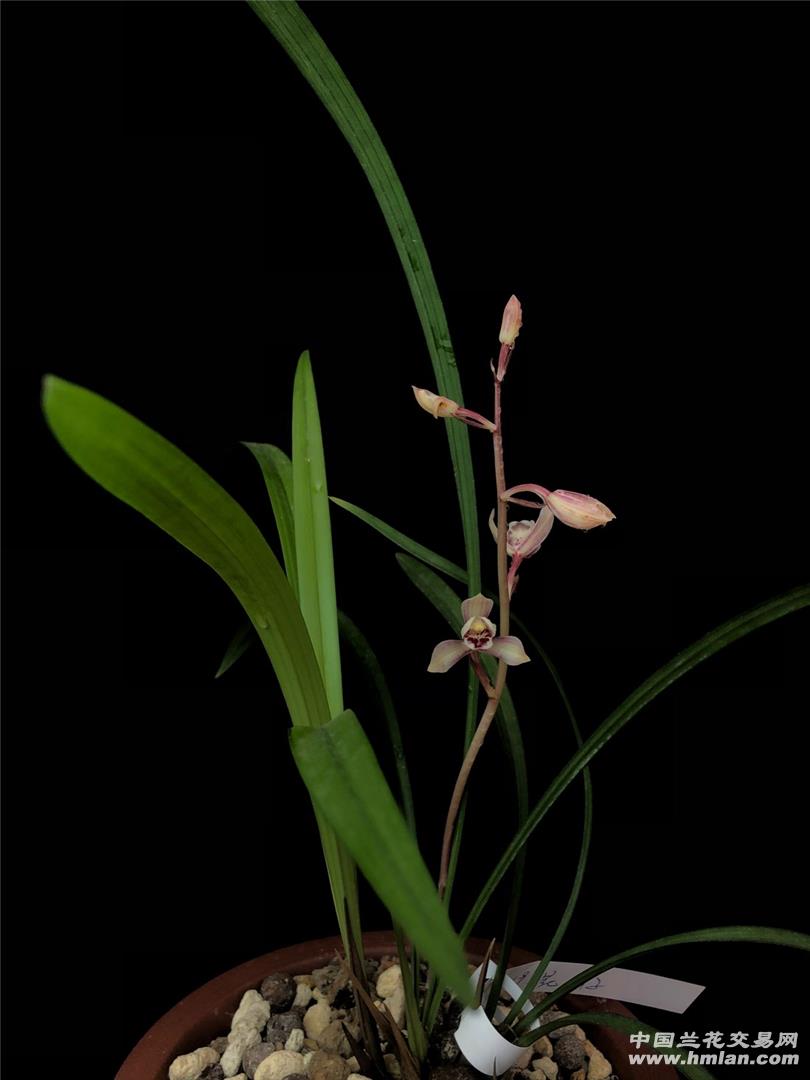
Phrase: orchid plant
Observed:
(292, 610)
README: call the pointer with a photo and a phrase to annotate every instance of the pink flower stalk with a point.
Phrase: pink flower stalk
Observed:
(510, 328)
(442, 408)
(569, 507)
(477, 635)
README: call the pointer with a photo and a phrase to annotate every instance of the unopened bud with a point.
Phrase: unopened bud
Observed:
(435, 404)
(512, 322)
(578, 511)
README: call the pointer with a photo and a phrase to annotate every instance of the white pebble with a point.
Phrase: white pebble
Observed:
(253, 1010)
(295, 1040)
(303, 996)
(396, 1004)
(580, 1034)
(238, 1042)
(389, 981)
(189, 1066)
(392, 1065)
(599, 1068)
(356, 1076)
(544, 1066)
(279, 1064)
(543, 1046)
(317, 1018)
(524, 1059)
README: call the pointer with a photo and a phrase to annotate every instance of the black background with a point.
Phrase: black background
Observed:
(182, 218)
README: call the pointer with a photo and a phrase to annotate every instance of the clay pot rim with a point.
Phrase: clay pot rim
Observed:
(206, 1012)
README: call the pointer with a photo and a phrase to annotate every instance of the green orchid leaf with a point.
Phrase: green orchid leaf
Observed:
(756, 935)
(237, 647)
(701, 650)
(313, 533)
(412, 547)
(305, 47)
(347, 785)
(148, 473)
(359, 645)
(278, 477)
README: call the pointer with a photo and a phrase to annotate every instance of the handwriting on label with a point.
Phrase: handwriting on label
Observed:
(621, 984)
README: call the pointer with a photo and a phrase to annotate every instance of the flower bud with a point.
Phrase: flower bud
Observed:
(512, 322)
(578, 511)
(435, 404)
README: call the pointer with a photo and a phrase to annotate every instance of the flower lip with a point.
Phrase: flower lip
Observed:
(478, 632)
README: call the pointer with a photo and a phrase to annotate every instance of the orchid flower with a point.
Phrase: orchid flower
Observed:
(523, 539)
(571, 508)
(477, 635)
(443, 408)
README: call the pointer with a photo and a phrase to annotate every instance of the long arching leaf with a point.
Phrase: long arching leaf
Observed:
(305, 47)
(757, 935)
(683, 663)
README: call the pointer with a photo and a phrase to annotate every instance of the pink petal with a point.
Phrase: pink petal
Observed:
(493, 528)
(540, 530)
(446, 654)
(476, 605)
(510, 650)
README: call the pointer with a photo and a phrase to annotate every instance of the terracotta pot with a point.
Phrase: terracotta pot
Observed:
(207, 1012)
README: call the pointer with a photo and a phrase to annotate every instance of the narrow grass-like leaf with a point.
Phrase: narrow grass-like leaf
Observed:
(757, 935)
(278, 477)
(587, 829)
(412, 547)
(305, 47)
(701, 650)
(148, 473)
(313, 534)
(237, 646)
(629, 1025)
(354, 637)
(347, 785)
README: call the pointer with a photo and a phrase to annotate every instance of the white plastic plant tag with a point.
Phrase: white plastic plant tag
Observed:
(484, 1047)
(620, 984)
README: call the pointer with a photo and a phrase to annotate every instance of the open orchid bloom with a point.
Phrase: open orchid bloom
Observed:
(477, 635)
(571, 508)
(524, 538)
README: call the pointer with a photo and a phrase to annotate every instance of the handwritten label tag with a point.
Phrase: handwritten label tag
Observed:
(621, 984)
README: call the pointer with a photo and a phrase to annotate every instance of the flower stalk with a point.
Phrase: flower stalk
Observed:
(495, 692)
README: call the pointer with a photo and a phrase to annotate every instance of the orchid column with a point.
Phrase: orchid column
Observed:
(516, 542)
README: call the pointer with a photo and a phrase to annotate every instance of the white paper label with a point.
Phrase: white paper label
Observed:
(621, 984)
(489, 1052)
(484, 1047)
